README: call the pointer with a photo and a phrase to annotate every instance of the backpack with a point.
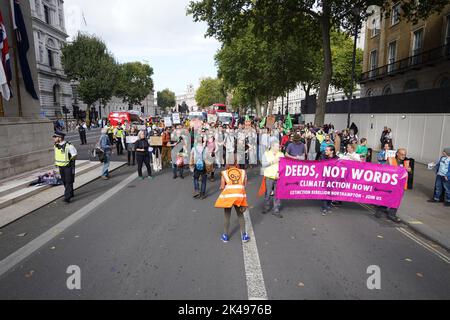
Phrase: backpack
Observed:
(200, 164)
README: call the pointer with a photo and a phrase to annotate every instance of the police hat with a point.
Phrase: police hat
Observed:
(59, 134)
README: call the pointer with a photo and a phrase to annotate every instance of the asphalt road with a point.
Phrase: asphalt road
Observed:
(151, 240)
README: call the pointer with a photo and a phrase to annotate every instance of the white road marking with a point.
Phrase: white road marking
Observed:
(17, 257)
(414, 238)
(256, 287)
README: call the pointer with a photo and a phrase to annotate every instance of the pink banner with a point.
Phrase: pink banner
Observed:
(342, 180)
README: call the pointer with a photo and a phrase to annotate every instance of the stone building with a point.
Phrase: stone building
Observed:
(49, 33)
(401, 56)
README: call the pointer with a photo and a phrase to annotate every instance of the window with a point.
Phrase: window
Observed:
(375, 26)
(392, 56)
(417, 46)
(411, 85)
(373, 62)
(50, 58)
(395, 15)
(387, 90)
(47, 14)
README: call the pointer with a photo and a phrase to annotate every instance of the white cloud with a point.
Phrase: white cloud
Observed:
(155, 30)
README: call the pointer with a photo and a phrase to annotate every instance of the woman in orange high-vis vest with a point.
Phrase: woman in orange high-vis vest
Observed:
(233, 194)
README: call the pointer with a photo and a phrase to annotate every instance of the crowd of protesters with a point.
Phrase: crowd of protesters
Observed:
(205, 148)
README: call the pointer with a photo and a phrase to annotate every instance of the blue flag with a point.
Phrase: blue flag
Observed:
(23, 45)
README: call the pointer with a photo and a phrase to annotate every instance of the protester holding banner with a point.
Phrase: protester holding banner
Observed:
(270, 163)
(329, 154)
(399, 160)
(351, 154)
(296, 149)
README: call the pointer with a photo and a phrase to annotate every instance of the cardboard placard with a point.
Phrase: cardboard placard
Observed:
(270, 121)
(212, 118)
(176, 118)
(132, 139)
(168, 121)
(155, 141)
(391, 154)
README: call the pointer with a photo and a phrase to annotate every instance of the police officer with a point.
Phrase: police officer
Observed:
(65, 154)
(120, 135)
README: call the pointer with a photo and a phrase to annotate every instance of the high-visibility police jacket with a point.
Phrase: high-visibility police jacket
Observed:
(119, 132)
(110, 129)
(234, 192)
(62, 155)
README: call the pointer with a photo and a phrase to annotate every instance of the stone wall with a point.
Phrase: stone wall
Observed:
(26, 144)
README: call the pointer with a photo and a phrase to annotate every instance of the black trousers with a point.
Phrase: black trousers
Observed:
(68, 178)
(131, 154)
(83, 137)
(143, 159)
(119, 146)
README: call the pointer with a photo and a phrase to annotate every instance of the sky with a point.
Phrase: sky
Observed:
(156, 32)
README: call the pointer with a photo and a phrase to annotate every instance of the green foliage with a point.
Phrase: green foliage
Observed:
(87, 61)
(210, 91)
(277, 20)
(135, 82)
(342, 53)
(166, 99)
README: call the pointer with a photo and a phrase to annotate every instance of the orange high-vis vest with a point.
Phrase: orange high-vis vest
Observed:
(393, 162)
(234, 192)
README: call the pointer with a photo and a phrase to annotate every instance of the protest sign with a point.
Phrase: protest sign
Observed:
(155, 141)
(212, 118)
(132, 139)
(176, 118)
(270, 121)
(168, 121)
(342, 180)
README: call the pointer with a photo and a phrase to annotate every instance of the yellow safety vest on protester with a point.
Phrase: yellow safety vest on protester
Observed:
(272, 171)
(62, 157)
(234, 193)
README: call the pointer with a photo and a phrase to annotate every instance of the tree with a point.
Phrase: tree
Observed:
(342, 53)
(166, 99)
(261, 69)
(227, 19)
(135, 82)
(87, 61)
(211, 91)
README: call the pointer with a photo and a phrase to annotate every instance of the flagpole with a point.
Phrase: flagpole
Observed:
(16, 65)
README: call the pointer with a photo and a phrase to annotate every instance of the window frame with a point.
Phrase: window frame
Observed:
(396, 14)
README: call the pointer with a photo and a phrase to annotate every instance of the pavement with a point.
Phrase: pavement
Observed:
(150, 239)
(431, 220)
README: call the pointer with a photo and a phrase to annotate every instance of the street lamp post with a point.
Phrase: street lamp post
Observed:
(350, 100)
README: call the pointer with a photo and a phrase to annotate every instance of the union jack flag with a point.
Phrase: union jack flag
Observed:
(5, 68)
